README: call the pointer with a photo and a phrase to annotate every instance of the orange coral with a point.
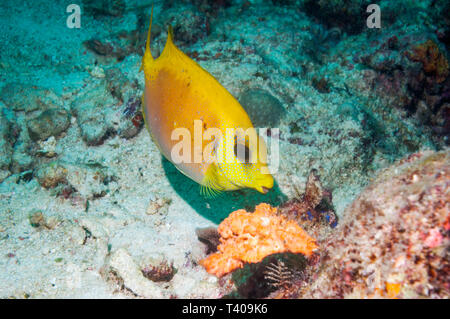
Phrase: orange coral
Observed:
(393, 289)
(249, 237)
(433, 60)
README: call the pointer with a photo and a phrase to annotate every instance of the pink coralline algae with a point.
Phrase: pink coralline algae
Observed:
(434, 239)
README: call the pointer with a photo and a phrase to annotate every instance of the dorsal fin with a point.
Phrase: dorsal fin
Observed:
(147, 54)
(169, 47)
(170, 34)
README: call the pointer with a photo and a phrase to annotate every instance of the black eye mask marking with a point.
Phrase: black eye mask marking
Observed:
(242, 152)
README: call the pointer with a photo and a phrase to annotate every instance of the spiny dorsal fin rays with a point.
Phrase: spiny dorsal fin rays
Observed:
(147, 53)
(170, 47)
(170, 34)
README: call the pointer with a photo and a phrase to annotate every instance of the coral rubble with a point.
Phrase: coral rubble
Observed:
(263, 109)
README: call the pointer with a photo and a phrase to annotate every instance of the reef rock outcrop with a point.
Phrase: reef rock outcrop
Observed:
(393, 241)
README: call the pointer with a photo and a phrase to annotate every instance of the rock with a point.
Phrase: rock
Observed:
(158, 206)
(124, 266)
(88, 180)
(75, 233)
(114, 8)
(210, 237)
(101, 48)
(97, 72)
(47, 147)
(38, 220)
(393, 240)
(100, 110)
(263, 108)
(118, 84)
(6, 149)
(157, 269)
(51, 175)
(28, 98)
(104, 7)
(14, 134)
(51, 122)
(131, 120)
(441, 122)
(4, 173)
(188, 27)
(90, 108)
(21, 159)
(410, 73)
(93, 127)
(52, 222)
(130, 127)
(95, 227)
(344, 14)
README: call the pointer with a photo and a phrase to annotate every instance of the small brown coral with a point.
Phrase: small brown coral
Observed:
(433, 60)
(249, 237)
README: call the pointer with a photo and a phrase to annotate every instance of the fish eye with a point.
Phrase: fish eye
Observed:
(242, 152)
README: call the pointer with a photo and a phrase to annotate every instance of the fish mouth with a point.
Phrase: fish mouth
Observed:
(263, 190)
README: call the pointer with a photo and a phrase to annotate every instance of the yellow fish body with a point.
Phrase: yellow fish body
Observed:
(180, 94)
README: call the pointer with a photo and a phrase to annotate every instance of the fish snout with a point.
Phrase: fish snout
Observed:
(264, 183)
(262, 189)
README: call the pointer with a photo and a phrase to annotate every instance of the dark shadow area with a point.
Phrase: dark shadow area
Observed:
(218, 208)
(252, 281)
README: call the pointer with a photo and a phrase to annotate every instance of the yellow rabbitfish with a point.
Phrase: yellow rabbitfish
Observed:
(180, 94)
